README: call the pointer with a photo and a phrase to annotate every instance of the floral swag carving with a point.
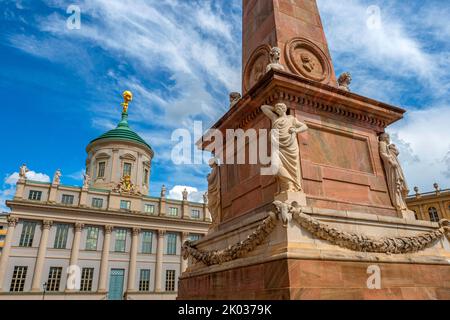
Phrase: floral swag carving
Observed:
(233, 252)
(362, 243)
(292, 212)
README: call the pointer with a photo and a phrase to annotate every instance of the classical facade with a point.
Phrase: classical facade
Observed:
(104, 240)
(3, 229)
(431, 206)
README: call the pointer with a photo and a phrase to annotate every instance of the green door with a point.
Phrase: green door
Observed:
(116, 284)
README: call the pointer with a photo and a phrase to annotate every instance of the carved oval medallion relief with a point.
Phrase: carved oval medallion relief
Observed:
(256, 66)
(308, 60)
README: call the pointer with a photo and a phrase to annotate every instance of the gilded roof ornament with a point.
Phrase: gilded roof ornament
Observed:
(127, 98)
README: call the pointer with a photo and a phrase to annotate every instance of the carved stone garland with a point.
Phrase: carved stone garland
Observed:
(352, 241)
(233, 252)
(362, 243)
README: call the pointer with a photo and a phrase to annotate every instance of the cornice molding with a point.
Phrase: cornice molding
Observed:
(107, 214)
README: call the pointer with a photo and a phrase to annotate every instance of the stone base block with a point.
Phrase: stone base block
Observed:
(295, 279)
(299, 197)
(408, 215)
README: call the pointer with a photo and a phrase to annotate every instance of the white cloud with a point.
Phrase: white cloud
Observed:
(424, 141)
(388, 47)
(194, 195)
(79, 175)
(31, 175)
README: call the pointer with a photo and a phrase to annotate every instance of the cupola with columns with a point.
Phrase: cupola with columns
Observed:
(120, 160)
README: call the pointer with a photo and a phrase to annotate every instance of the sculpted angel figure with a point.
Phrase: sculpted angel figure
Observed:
(57, 177)
(23, 172)
(234, 98)
(86, 180)
(275, 55)
(344, 81)
(398, 188)
(284, 133)
(185, 194)
(163, 191)
(214, 201)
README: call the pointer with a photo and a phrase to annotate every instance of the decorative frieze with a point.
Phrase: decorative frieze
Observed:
(287, 212)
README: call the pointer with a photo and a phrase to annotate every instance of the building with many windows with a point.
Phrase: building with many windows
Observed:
(104, 240)
(432, 206)
(3, 229)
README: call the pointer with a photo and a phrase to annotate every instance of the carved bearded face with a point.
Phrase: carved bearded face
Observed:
(280, 109)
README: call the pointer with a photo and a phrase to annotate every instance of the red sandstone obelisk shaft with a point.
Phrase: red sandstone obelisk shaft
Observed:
(277, 23)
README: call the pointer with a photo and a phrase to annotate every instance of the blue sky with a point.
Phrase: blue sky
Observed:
(61, 88)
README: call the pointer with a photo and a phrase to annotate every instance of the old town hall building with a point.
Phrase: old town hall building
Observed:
(105, 240)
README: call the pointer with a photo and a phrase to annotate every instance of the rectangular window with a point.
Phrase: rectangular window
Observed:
(195, 214)
(173, 212)
(194, 237)
(144, 280)
(54, 278)
(145, 177)
(125, 205)
(91, 238)
(127, 169)
(171, 244)
(147, 237)
(149, 208)
(87, 275)
(67, 199)
(97, 203)
(101, 169)
(62, 230)
(170, 280)
(27, 236)
(18, 279)
(121, 236)
(35, 195)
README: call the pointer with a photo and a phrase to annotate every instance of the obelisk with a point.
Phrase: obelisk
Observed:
(348, 223)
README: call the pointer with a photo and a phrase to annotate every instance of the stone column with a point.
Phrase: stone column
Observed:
(75, 247)
(36, 286)
(159, 261)
(133, 258)
(105, 260)
(206, 213)
(421, 214)
(184, 263)
(139, 172)
(12, 222)
(76, 244)
(115, 174)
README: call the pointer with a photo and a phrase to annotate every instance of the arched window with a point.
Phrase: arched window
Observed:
(434, 216)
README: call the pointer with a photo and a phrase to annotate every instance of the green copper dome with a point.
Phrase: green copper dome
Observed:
(123, 132)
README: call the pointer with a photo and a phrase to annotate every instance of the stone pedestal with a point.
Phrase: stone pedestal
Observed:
(53, 192)
(20, 188)
(344, 186)
(289, 197)
(83, 197)
(408, 214)
(291, 263)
